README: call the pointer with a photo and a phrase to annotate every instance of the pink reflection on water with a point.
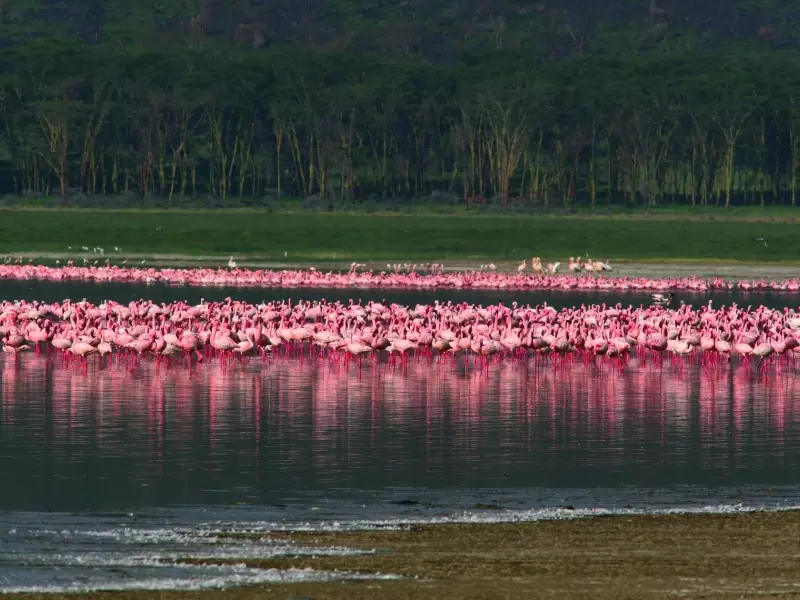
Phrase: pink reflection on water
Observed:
(9, 383)
(573, 405)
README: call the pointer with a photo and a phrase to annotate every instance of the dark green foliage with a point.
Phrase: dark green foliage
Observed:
(539, 105)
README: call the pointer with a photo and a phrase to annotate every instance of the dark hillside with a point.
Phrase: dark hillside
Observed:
(437, 31)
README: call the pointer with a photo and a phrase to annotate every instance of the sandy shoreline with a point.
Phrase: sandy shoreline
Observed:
(666, 269)
(628, 556)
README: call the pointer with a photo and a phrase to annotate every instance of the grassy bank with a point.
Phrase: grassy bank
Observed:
(350, 236)
(697, 556)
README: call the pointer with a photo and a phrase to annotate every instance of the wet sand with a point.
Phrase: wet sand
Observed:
(697, 556)
(709, 269)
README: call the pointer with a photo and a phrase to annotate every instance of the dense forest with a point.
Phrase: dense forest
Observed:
(502, 102)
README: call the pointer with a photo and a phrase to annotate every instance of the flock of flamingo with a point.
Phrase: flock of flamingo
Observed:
(332, 329)
(396, 278)
(230, 328)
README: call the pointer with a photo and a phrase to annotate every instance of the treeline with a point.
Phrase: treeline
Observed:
(694, 127)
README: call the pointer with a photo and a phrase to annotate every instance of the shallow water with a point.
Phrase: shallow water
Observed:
(50, 291)
(114, 471)
(267, 431)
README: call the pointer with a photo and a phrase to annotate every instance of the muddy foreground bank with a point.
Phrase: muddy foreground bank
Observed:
(696, 556)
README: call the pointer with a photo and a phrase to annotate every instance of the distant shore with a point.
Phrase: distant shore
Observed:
(723, 556)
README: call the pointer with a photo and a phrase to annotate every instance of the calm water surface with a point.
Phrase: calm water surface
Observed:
(266, 432)
(51, 291)
(113, 473)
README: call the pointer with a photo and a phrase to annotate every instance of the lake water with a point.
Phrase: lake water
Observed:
(50, 291)
(269, 431)
(113, 473)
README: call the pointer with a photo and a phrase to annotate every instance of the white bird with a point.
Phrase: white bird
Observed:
(553, 267)
(662, 299)
(231, 263)
(521, 267)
